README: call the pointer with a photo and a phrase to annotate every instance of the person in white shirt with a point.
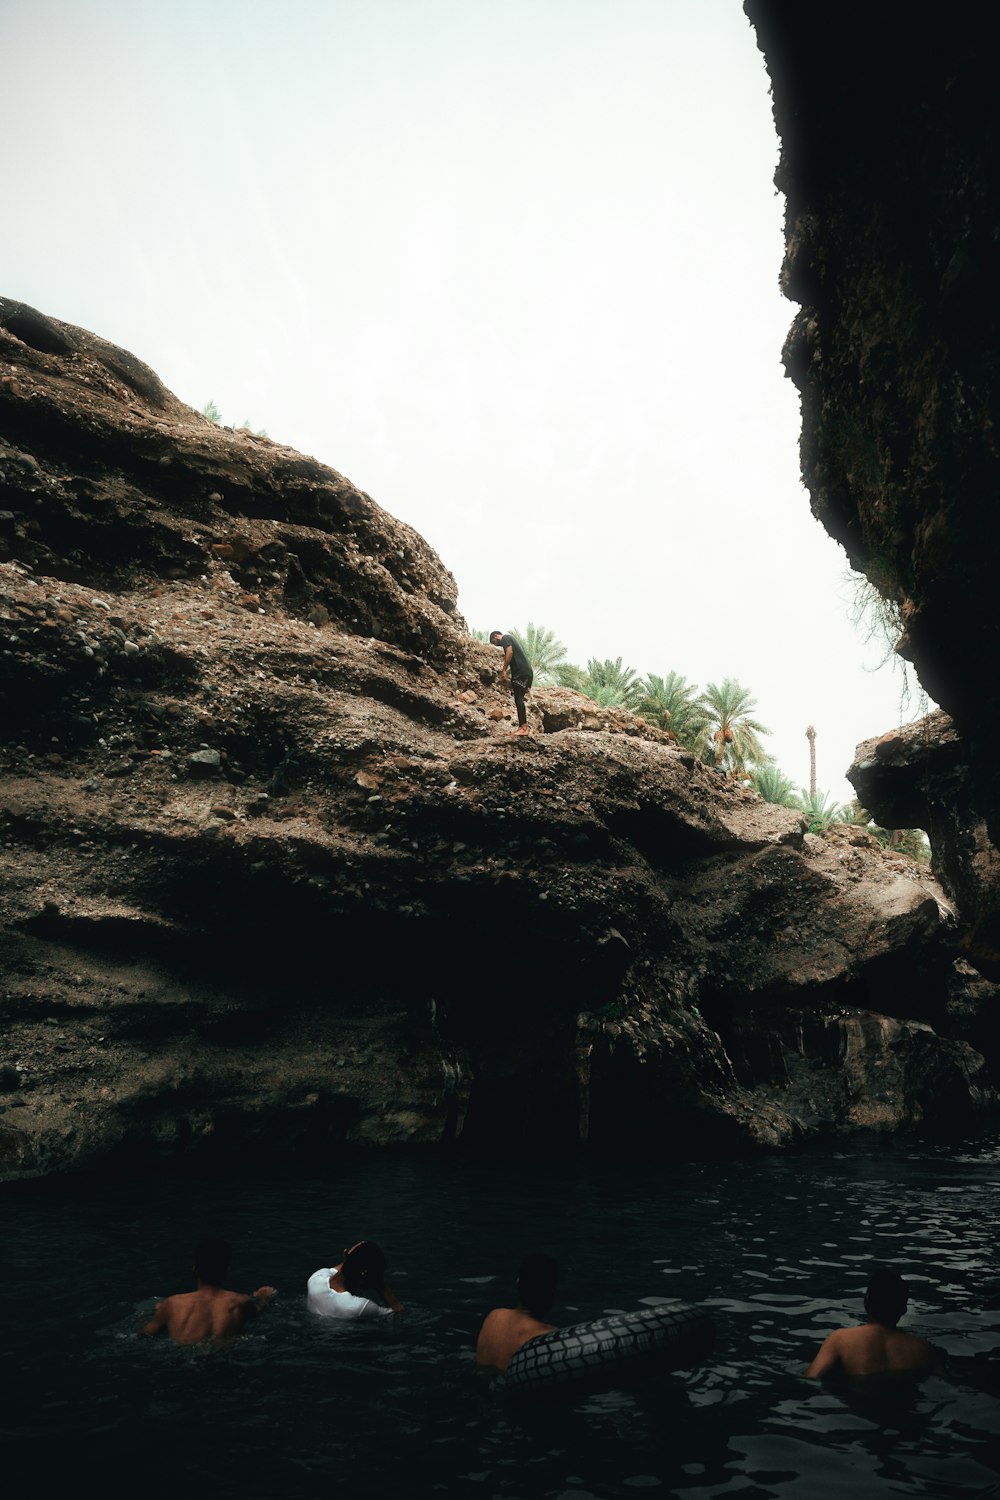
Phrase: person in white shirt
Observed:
(357, 1288)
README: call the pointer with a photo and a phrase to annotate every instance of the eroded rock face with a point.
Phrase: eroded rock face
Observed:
(890, 144)
(919, 776)
(278, 875)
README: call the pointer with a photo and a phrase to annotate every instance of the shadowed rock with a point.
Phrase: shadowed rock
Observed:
(890, 146)
(278, 876)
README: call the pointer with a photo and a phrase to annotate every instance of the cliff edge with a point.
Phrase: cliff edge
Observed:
(278, 876)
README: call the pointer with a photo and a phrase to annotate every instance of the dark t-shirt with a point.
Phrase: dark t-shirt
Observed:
(520, 666)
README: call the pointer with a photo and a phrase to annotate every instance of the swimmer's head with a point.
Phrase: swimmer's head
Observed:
(886, 1297)
(211, 1261)
(536, 1283)
(363, 1269)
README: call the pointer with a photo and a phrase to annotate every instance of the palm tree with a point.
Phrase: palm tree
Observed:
(607, 695)
(672, 703)
(820, 810)
(568, 676)
(811, 737)
(729, 738)
(611, 684)
(542, 649)
(771, 783)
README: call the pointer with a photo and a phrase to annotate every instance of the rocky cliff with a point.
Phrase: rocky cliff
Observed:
(278, 875)
(890, 147)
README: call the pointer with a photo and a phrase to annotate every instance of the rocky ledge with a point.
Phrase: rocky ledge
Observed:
(279, 876)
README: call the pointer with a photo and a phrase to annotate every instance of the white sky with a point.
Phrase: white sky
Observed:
(509, 265)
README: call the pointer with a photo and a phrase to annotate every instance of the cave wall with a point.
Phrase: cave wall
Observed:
(889, 166)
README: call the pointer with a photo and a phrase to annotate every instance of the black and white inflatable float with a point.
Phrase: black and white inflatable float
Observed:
(612, 1350)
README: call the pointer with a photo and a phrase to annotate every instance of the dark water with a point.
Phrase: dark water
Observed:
(778, 1248)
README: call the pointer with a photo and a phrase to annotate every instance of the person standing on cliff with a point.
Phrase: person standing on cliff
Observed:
(518, 667)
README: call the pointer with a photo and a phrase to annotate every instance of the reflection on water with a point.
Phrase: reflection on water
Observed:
(779, 1249)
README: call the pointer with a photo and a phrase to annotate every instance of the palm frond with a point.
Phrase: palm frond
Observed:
(542, 649)
(730, 737)
(771, 783)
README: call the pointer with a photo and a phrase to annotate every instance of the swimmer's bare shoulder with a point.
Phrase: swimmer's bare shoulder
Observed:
(873, 1349)
(504, 1331)
(490, 1338)
(209, 1313)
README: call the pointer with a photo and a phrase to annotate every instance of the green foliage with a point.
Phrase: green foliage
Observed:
(481, 635)
(568, 676)
(212, 412)
(608, 682)
(913, 842)
(673, 703)
(542, 649)
(820, 811)
(771, 783)
(729, 739)
(607, 695)
(611, 684)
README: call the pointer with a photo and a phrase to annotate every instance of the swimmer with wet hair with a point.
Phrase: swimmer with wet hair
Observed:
(357, 1288)
(878, 1347)
(507, 1329)
(211, 1312)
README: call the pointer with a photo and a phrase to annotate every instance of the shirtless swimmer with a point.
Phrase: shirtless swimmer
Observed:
(211, 1312)
(878, 1347)
(505, 1329)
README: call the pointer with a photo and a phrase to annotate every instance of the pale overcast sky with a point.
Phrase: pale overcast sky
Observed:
(509, 265)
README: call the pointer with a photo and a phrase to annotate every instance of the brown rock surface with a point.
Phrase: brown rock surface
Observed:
(277, 873)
